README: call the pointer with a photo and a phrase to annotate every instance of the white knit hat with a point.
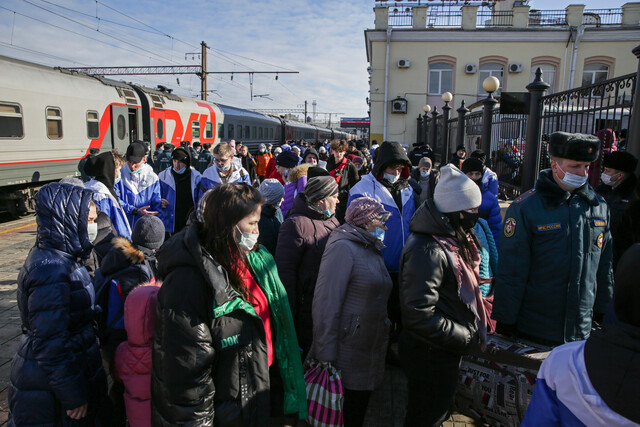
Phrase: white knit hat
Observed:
(455, 191)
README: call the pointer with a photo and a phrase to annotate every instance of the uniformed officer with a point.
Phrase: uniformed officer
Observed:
(554, 272)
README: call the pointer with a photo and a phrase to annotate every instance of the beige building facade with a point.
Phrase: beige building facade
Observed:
(417, 53)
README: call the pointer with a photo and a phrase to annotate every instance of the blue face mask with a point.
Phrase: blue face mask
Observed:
(379, 233)
(328, 213)
(424, 174)
(137, 171)
(391, 178)
(224, 169)
(181, 171)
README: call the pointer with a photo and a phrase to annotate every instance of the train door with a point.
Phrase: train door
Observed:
(120, 128)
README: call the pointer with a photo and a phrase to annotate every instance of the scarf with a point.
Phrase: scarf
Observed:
(337, 171)
(468, 278)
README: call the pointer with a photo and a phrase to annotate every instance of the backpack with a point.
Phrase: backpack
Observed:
(111, 292)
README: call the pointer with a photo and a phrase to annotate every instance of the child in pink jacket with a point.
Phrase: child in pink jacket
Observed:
(133, 357)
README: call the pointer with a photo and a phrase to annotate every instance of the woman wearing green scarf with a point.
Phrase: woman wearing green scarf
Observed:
(225, 350)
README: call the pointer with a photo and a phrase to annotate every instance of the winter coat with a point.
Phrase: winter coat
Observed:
(628, 231)
(249, 164)
(296, 182)
(262, 160)
(133, 357)
(592, 382)
(57, 366)
(350, 324)
(398, 222)
(301, 242)
(269, 226)
(618, 199)
(211, 178)
(420, 152)
(432, 312)
(490, 181)
(209, 349)
(204, 160)
(272, 171)
(101, 244)
(348, 177)
(489, 209)
(163, 161)
(554, 267)
(424, 187)
(488, 255)
(168, 192)
(137, 190)
(110, 205)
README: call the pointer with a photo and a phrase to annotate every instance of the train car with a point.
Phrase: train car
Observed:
(249, 127)
(297, 131)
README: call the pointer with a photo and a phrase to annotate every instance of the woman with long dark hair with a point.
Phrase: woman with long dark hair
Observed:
(223, 322)
(442, 308)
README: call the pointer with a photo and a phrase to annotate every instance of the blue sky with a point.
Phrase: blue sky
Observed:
(323, 40)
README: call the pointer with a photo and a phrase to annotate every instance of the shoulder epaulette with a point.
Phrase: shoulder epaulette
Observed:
(525, 196)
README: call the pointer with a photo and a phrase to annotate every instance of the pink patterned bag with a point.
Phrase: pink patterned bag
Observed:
(324, 394)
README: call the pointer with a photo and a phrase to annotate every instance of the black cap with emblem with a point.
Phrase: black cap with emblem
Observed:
(574, 146)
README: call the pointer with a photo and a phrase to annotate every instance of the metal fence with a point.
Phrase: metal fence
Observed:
(600, 17)
(400, 18)
(544, 18)
(489, 18)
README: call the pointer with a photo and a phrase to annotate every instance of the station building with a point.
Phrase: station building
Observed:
(417, 52)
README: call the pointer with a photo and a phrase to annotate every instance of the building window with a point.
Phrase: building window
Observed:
(93, 125)
(488, 70)
(54, 123)
(11, 121)
(548, 75)
(440, 79)
(594, 73)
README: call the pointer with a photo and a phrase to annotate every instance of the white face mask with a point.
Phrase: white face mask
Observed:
(247, 240)
(92, 230)
(391, 178)
(607, 179)
(572, 181)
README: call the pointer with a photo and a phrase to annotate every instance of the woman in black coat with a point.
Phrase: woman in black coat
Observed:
(442, 307)
(57, 376)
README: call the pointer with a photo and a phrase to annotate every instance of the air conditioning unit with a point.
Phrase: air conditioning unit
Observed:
(404, 63)
(399, 105)
(515, 68)
(470, 68)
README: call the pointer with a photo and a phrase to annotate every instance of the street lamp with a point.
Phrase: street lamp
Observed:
(490, 85)
(425, 122)
(444, 149)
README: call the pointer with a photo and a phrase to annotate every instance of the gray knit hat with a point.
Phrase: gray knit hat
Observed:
(148, 232)
(319, 188)
(364, 209)
(455, 192)
(272, 191)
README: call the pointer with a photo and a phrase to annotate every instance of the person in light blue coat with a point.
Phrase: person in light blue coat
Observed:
(179, 186)
(490, 207)
(139, 188)
(103, 168)
(223, 171)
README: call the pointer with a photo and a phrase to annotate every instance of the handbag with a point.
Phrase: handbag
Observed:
(325, 396)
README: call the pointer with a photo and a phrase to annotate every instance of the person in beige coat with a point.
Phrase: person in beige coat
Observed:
(350, 323)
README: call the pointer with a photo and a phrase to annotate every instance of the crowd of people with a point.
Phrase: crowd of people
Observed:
(203, 279)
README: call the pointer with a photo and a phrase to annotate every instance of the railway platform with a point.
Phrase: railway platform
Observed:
(386, 409)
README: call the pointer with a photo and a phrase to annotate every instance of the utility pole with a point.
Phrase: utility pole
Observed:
(203, 77)
(305, 111)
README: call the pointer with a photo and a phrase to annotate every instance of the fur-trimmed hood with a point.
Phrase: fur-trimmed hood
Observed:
(122, 254)
(298, 172)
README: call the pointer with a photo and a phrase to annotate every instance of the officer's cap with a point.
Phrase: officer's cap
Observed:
(574, 146)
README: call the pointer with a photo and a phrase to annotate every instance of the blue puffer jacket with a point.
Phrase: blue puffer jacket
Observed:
(490, 210)
(137, 190)
(58, 365)
(211, 178)
(108, 204)
(168, 192)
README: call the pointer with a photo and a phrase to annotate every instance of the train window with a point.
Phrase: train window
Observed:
(246, 131)
(270, 133)
(221, 130)
(239, 134)
(54, 123)
(253, 132)
(195, 129)
(260, 133)
(93, 125)
(10, 121)
(230, 132)
(121, 127)
(160, 129)
(208, 130)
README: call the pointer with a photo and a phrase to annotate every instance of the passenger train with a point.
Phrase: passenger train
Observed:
(51, 117)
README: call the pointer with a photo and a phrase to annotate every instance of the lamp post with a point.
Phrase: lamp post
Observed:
(446, 97)
(490, 85)
(425, 122)
(462, 112)
(419, 130)
(434, 127)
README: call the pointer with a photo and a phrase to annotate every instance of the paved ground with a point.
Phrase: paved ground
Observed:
(387, 407)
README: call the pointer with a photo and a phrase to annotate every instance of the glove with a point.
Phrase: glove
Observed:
(508, 330)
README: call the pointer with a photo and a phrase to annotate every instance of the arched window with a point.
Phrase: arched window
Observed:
(491, 66)
(441, 74)
(549, 66)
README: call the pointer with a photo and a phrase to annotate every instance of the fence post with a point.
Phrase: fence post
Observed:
(634, 120)
(434, 127)
(490, 85)
(445, 131)
(534, 127)
(462, 126)
(419, 130)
